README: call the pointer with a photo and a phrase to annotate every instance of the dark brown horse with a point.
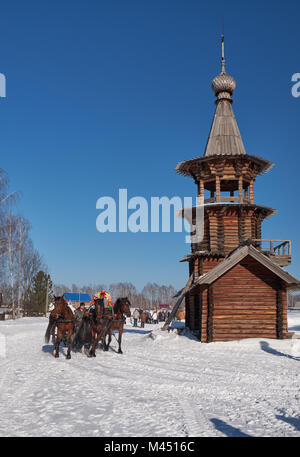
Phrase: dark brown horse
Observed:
(62, 318)
(99, 324)
(120, 310)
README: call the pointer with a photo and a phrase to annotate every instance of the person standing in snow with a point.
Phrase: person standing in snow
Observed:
(135, 316)
(154, 317)
(143, 317)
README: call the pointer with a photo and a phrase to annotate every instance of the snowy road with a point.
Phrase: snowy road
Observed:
(168, 386)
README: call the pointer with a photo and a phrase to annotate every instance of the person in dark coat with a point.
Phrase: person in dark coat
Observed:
(143, 318)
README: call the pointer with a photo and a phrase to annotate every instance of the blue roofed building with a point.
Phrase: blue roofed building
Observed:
(76, 298)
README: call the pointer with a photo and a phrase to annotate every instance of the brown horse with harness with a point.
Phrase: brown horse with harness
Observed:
(121, 308)
(99, 323)
(62, 318)
(104, 321)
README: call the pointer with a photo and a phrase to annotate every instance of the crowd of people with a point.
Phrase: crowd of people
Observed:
(148, 317)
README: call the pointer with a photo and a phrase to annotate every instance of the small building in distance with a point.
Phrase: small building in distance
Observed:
(5, 313)
(164, 307)
(294, 302)
(76, 298)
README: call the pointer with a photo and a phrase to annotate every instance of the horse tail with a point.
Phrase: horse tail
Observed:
(48, 331)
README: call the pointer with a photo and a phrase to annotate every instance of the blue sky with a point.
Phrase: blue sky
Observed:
(103, 95)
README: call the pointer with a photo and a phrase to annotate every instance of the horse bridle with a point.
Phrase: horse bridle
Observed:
(59, 319)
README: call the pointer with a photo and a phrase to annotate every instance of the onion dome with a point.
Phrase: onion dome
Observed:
(223, 85)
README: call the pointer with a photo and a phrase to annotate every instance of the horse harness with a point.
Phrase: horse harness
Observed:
(64, 321)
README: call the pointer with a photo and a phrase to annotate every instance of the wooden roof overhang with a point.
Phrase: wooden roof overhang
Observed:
(264, 211)
(228, 166)
(193, 255)
(237, 256)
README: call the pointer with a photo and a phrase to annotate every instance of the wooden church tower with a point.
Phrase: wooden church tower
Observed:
(237, 287)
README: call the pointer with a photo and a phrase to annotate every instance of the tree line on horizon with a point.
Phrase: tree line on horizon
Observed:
(149, 297)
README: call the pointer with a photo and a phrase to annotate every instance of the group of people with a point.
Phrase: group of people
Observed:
(149, 317)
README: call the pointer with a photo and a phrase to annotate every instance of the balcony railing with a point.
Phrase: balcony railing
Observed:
(230, 199)
(280, 253)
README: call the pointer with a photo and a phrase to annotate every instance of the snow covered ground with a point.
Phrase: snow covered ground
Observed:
(164, 385)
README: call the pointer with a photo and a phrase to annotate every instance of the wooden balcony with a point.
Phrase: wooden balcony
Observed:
(280, 253)
(223, 199)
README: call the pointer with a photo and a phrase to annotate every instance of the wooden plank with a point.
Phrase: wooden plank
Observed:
(178, 303)
(210, 314)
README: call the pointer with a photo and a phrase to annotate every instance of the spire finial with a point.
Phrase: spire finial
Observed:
(223, 85)
(223, 55)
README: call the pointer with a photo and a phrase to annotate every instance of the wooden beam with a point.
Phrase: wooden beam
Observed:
(178, 303)
(251, 192)
(210, 314)
(218, 189)
(241, 189)
(201, 192)
(279, 326)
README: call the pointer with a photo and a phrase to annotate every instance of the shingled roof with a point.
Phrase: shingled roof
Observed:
(224, 137)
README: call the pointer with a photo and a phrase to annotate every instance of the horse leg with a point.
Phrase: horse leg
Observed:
(70, 333)
(53, 334)
(108, 340)
(57, 343)
(93, 344)
(103, 340)
(120, 340)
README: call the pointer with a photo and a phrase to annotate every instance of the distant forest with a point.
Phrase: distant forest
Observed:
(150, 296)
(293, 299)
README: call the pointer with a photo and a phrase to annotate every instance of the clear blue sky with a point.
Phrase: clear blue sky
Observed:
(112, 94)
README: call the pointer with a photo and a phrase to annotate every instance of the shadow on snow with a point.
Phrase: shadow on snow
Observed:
(228, 430)
(294, 421)
(267, 348)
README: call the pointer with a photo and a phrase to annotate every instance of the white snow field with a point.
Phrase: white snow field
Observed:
(162, 386)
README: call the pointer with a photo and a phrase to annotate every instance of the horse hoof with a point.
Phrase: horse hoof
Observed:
(56, 355)
(68, 356)
(120, 352)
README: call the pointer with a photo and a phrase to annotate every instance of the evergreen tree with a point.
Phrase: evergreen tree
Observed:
(39, 292)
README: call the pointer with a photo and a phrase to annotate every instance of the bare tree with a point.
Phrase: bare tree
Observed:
(31, 264)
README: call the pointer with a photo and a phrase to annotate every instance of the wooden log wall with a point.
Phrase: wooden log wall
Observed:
(209, 263)
(188, 310)
(225, 228)
(213, 231)
(231, 230)
(247, 304)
